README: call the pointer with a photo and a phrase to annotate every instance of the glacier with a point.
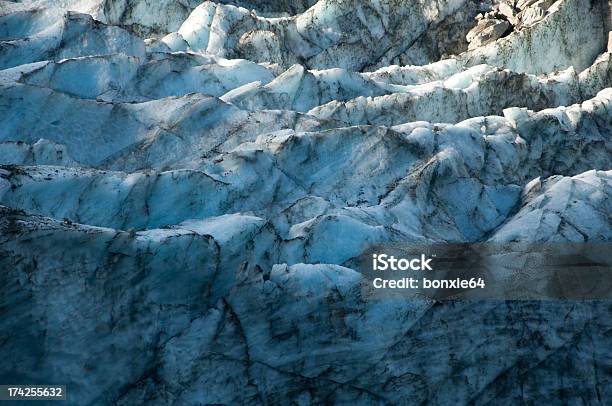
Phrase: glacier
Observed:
(186, 189)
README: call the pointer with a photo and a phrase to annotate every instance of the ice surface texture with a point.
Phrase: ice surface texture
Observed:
(185, 188)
